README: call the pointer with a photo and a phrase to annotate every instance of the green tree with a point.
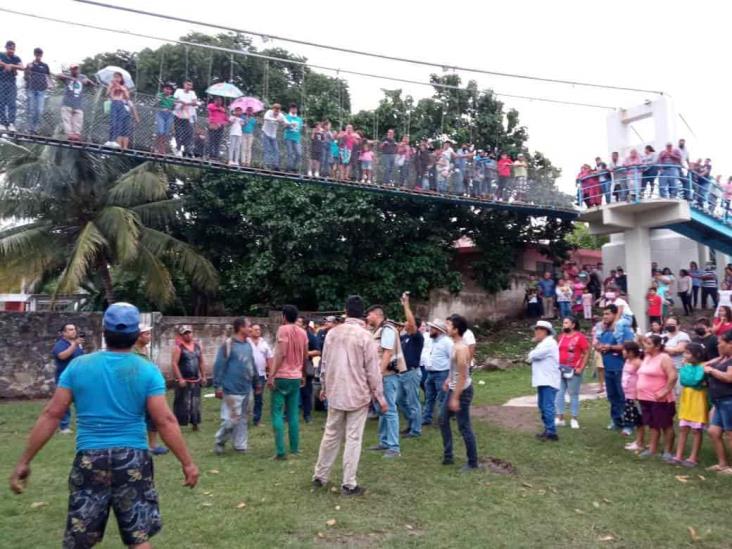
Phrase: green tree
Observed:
(82, 217)
(580, 237)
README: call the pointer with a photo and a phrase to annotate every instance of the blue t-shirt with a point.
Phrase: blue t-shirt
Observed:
(234, 373)
(59, 347)
(412, 346)
(110, 392)
(613, 360)
(548, 287)
(249, 124)
(293, 134)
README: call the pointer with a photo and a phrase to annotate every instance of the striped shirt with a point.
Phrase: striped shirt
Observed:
(709, 282)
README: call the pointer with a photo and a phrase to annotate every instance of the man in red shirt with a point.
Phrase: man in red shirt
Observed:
(655, 306)
(504, 176)
(285, 379)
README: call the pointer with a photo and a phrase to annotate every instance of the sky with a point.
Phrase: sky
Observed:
(649, 45)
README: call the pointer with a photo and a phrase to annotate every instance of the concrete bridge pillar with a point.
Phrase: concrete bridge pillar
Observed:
(638, 269)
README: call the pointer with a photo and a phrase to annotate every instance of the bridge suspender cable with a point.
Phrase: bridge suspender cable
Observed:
(371, 54)
(188, 44)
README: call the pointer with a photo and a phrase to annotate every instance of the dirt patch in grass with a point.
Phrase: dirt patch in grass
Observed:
(508, 417)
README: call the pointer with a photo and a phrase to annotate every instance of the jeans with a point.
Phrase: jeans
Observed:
(163, 123)
(36, 101)
(504, 183)
(463, 421)
(8, 97)
(214, 142)
(389, 421)
(294, 155)
(234, 410)
(709, 292)
(258, 401)
(286, 394)
(271, 152)
(695, 296)
(66, 420)
(408, 399)
(387, 164)
(573, 386)
(615, 395)
(565, 308)
(546, 398)
(325, 159)
(433, 393)
(183, 135)
(667, 182)
(649, 177)
(605, 188)
(306, 398)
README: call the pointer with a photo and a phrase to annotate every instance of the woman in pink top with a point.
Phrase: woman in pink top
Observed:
(217, 121)
(656, 382)
(578, 288)
(634, 163)
(631, 415)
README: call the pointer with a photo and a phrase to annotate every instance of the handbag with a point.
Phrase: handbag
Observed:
(567, 371)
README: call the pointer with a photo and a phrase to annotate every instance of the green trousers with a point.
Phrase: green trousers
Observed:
(286, 395)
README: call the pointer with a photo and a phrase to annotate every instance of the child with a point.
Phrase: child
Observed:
(587, 299)
(693, 409)
(564, 298)
(248, 123)
(235, 134)
(631, 415)
(317, 142)
(655, 305)
(164, 119)
(367, 163)
(334, 155)
(533, 308)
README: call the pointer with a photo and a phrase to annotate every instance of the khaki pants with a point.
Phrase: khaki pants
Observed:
(548, 305)
(73, 120)
(246, 149)
(342, 424)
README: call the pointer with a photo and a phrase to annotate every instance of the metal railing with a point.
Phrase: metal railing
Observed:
(629, 184)
(98, 120)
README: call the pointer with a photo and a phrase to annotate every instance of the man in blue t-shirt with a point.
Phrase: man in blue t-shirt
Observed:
(10, 64)
(66, 349)
(412, 342)
(292, 138)
(111, 390)
(610, 344)
(548, 289)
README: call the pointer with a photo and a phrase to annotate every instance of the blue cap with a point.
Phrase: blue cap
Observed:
(123, 318)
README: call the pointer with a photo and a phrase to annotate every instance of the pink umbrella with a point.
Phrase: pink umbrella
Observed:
(247, 103)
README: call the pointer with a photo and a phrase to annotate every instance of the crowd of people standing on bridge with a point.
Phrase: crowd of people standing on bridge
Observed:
(184, 125)
(668, 173)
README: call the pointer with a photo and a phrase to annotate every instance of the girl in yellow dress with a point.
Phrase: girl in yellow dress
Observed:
(693, 404)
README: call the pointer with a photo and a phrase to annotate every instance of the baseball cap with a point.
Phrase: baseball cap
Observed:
(330, 318)
(123, 318)
(185, 328)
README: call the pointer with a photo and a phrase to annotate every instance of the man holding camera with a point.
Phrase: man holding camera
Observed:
(412, 342)
(66, 349)
(391, 363)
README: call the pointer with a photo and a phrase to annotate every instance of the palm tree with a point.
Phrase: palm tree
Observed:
(77, 215)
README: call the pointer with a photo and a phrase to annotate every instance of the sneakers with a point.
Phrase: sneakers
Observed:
(316, 174)
(633, 447)
(378, 448)
(391, 454)
(560, 422)
(355, 491)
(233, 164)
(111, 145)
(159, 451)
(627, 431)
(317, 483)
(448, 461)
(218, 449)
(612, 426)
(574, 424)
(646, 454)
(668, 457)
(310, 174)
(65, 431)
(405, 431)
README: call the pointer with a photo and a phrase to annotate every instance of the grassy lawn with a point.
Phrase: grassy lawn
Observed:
(585, 491)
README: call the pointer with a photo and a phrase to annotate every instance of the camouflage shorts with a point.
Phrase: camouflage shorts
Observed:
(120, 478)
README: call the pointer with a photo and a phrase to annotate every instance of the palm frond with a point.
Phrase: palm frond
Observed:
(121, 228)
(182, 257)
(159, 287)
(11, 154)
(159, 213)
(27, 252)
(90, 244)
(22, 240)
(144, 183)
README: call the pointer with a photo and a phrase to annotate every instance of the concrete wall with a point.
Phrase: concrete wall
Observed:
(668, 249)
(26, 339)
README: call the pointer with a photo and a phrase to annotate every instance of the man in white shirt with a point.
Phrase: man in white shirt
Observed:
(545, 376)
(272, 119)
(186, 103)
(263, 356)
(437, 369)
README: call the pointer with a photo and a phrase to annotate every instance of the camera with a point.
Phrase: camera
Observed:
(82, 335)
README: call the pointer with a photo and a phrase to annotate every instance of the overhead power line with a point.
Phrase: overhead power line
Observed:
(292, 61)
(370, 54)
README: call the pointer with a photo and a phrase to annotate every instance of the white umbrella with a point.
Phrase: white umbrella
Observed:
(105, 75)
(224, 89)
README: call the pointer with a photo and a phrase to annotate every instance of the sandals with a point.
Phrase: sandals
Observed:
(718, 468)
